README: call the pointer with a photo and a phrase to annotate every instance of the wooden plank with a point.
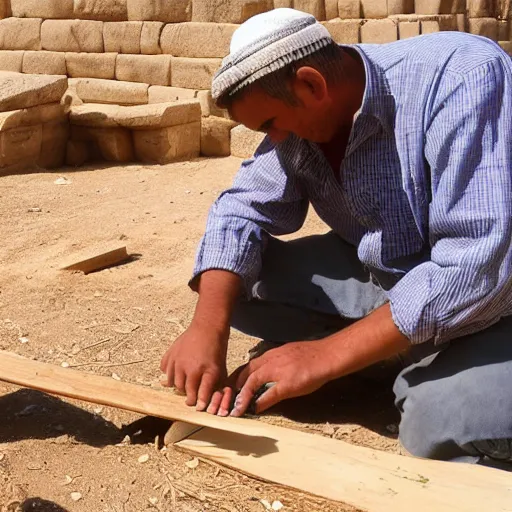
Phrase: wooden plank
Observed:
(368, 479)
(97, 258)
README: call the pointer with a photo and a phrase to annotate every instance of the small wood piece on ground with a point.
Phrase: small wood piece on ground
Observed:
(98, 258)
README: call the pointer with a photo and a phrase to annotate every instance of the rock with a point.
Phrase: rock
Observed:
(487, 27)
(150, 69)
(91, 65)
(143, 458)
(197, 39)
(331, 9)
(72, 36)
(77, 153)
(192, 464)
(11, 60)
(216, 136)
(194, 73)
(379, 31)
(439, 6)
(374, 8)
(54, 141)
(279, 4)
(162, 94)
(507, 46)
(150, 38)
(481, 8)
(96, 90)
(344, 31)
(314, 7)
(234, 11)
(24, 91)
(439, 23)
(504, 33)
(46, 9)
(32, 116)
(168, 144)
(122, 37)
(20, 148)
(277, 505)
(20, 34)
(175, 11)
(44, 63)
(76, 496)
(110, 144)
(408, 29)
(349, 9)
(208, 107)
(245, 142)
(141, 117)
(112, 10)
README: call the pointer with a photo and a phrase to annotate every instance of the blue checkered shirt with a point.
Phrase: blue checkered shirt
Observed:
(424, 190)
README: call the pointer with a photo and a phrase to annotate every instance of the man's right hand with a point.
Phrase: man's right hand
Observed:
(196, 364)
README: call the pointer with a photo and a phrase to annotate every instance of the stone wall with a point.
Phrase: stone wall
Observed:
(170, 49)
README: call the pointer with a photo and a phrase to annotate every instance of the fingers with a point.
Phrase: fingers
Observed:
(192, 383)
(205, 392)
(225, 405)
(179, 379)
(252, 384)
(270, 398)
(215, 402)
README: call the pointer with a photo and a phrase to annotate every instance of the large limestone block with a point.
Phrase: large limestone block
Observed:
(150, 37)
(77, 153)
(233, 11)
(407, 29)
(208, 106)
(166, 145)
(46, 9)
(194, 73)
(110, 144)
(44, 63)
(344, 31)
(20, 147)
(168, 11)
(20, 34)
(314, 7)
(487, 27)
(150, 69)
(439, 6)
(504, 33)
(95, 90)
(197, 39)
(102, 10)
(24, 91)
(72, 36)
(481, 8)
(141, 117)
(54, 139)
(52, 112)
(349, 9)
(11, 60)
(379, 31)
(507, 46)
(162, 94)
(440, 23)
(245, 142)
(400, 7)
(374, 8)
(91, 65)
(5, 9)
(278, 4)
(216, 136)
(331, 9)
(122, 37)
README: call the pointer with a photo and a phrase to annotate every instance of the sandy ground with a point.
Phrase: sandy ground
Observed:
(52, 449)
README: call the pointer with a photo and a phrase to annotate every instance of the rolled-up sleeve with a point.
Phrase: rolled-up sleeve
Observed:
(466, 285)
(264, 198)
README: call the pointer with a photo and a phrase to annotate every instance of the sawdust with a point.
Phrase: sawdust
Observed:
(122, 319)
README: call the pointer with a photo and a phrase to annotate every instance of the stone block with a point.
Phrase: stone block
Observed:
(197, 39)
(162, 94)
(278, 4)
(11, 60)
(349, 9)
(77, 153)
(166, 145)
(440, 23)
(379, 31)
(208, 106)
(111, 144)
(314, 7)
(216, 136)
(487, 27)
(506, 46)
(194, 73)
(461, 23)
(20, 34)
(101, 10)
(94, 90)
(245, 142)
(71, 97)
(20, 148)
(44, 63)
(168, 11)
(72, 36)
(400, 7)
(407, 29)
(122, 37)
(374, 8)
(150, 69)
(481, 8)
(439, 6)
(5, 9)
(331, 9)
(52, 112)
(46, 9)
(504, 33)
(141, 117)
(234, 11)
(150, 37)
(91, 65)
(54, 139)
(344, 31)
(24, 91)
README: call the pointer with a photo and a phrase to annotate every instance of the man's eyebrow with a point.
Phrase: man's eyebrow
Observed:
(266, 125)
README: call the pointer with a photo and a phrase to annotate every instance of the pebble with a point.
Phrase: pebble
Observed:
(23, 339)
(277, 505)
(62, 181)
(115, 376)
(64, 364)
(76, 496)
(153, 501)
(266, 504)
(2, 456)
(34, 210)
(67, 480)
(143, 458)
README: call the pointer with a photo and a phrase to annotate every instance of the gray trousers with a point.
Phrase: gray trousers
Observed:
(455, 400)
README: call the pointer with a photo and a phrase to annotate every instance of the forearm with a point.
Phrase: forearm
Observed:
(368, 341)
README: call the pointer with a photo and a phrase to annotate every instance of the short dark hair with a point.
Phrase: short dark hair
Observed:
(328, 61)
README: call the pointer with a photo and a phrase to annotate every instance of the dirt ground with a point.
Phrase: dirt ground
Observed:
(60, 455)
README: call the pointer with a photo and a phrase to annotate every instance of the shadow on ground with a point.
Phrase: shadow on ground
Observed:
(40, 505)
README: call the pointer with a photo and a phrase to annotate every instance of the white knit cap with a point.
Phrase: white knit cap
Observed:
(265, 43)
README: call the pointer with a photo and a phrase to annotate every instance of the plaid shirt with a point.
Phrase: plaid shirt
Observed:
(424, 190)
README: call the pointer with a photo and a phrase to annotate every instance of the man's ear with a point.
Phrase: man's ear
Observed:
(309, 85)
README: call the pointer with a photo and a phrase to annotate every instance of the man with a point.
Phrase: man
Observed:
(405, 151)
